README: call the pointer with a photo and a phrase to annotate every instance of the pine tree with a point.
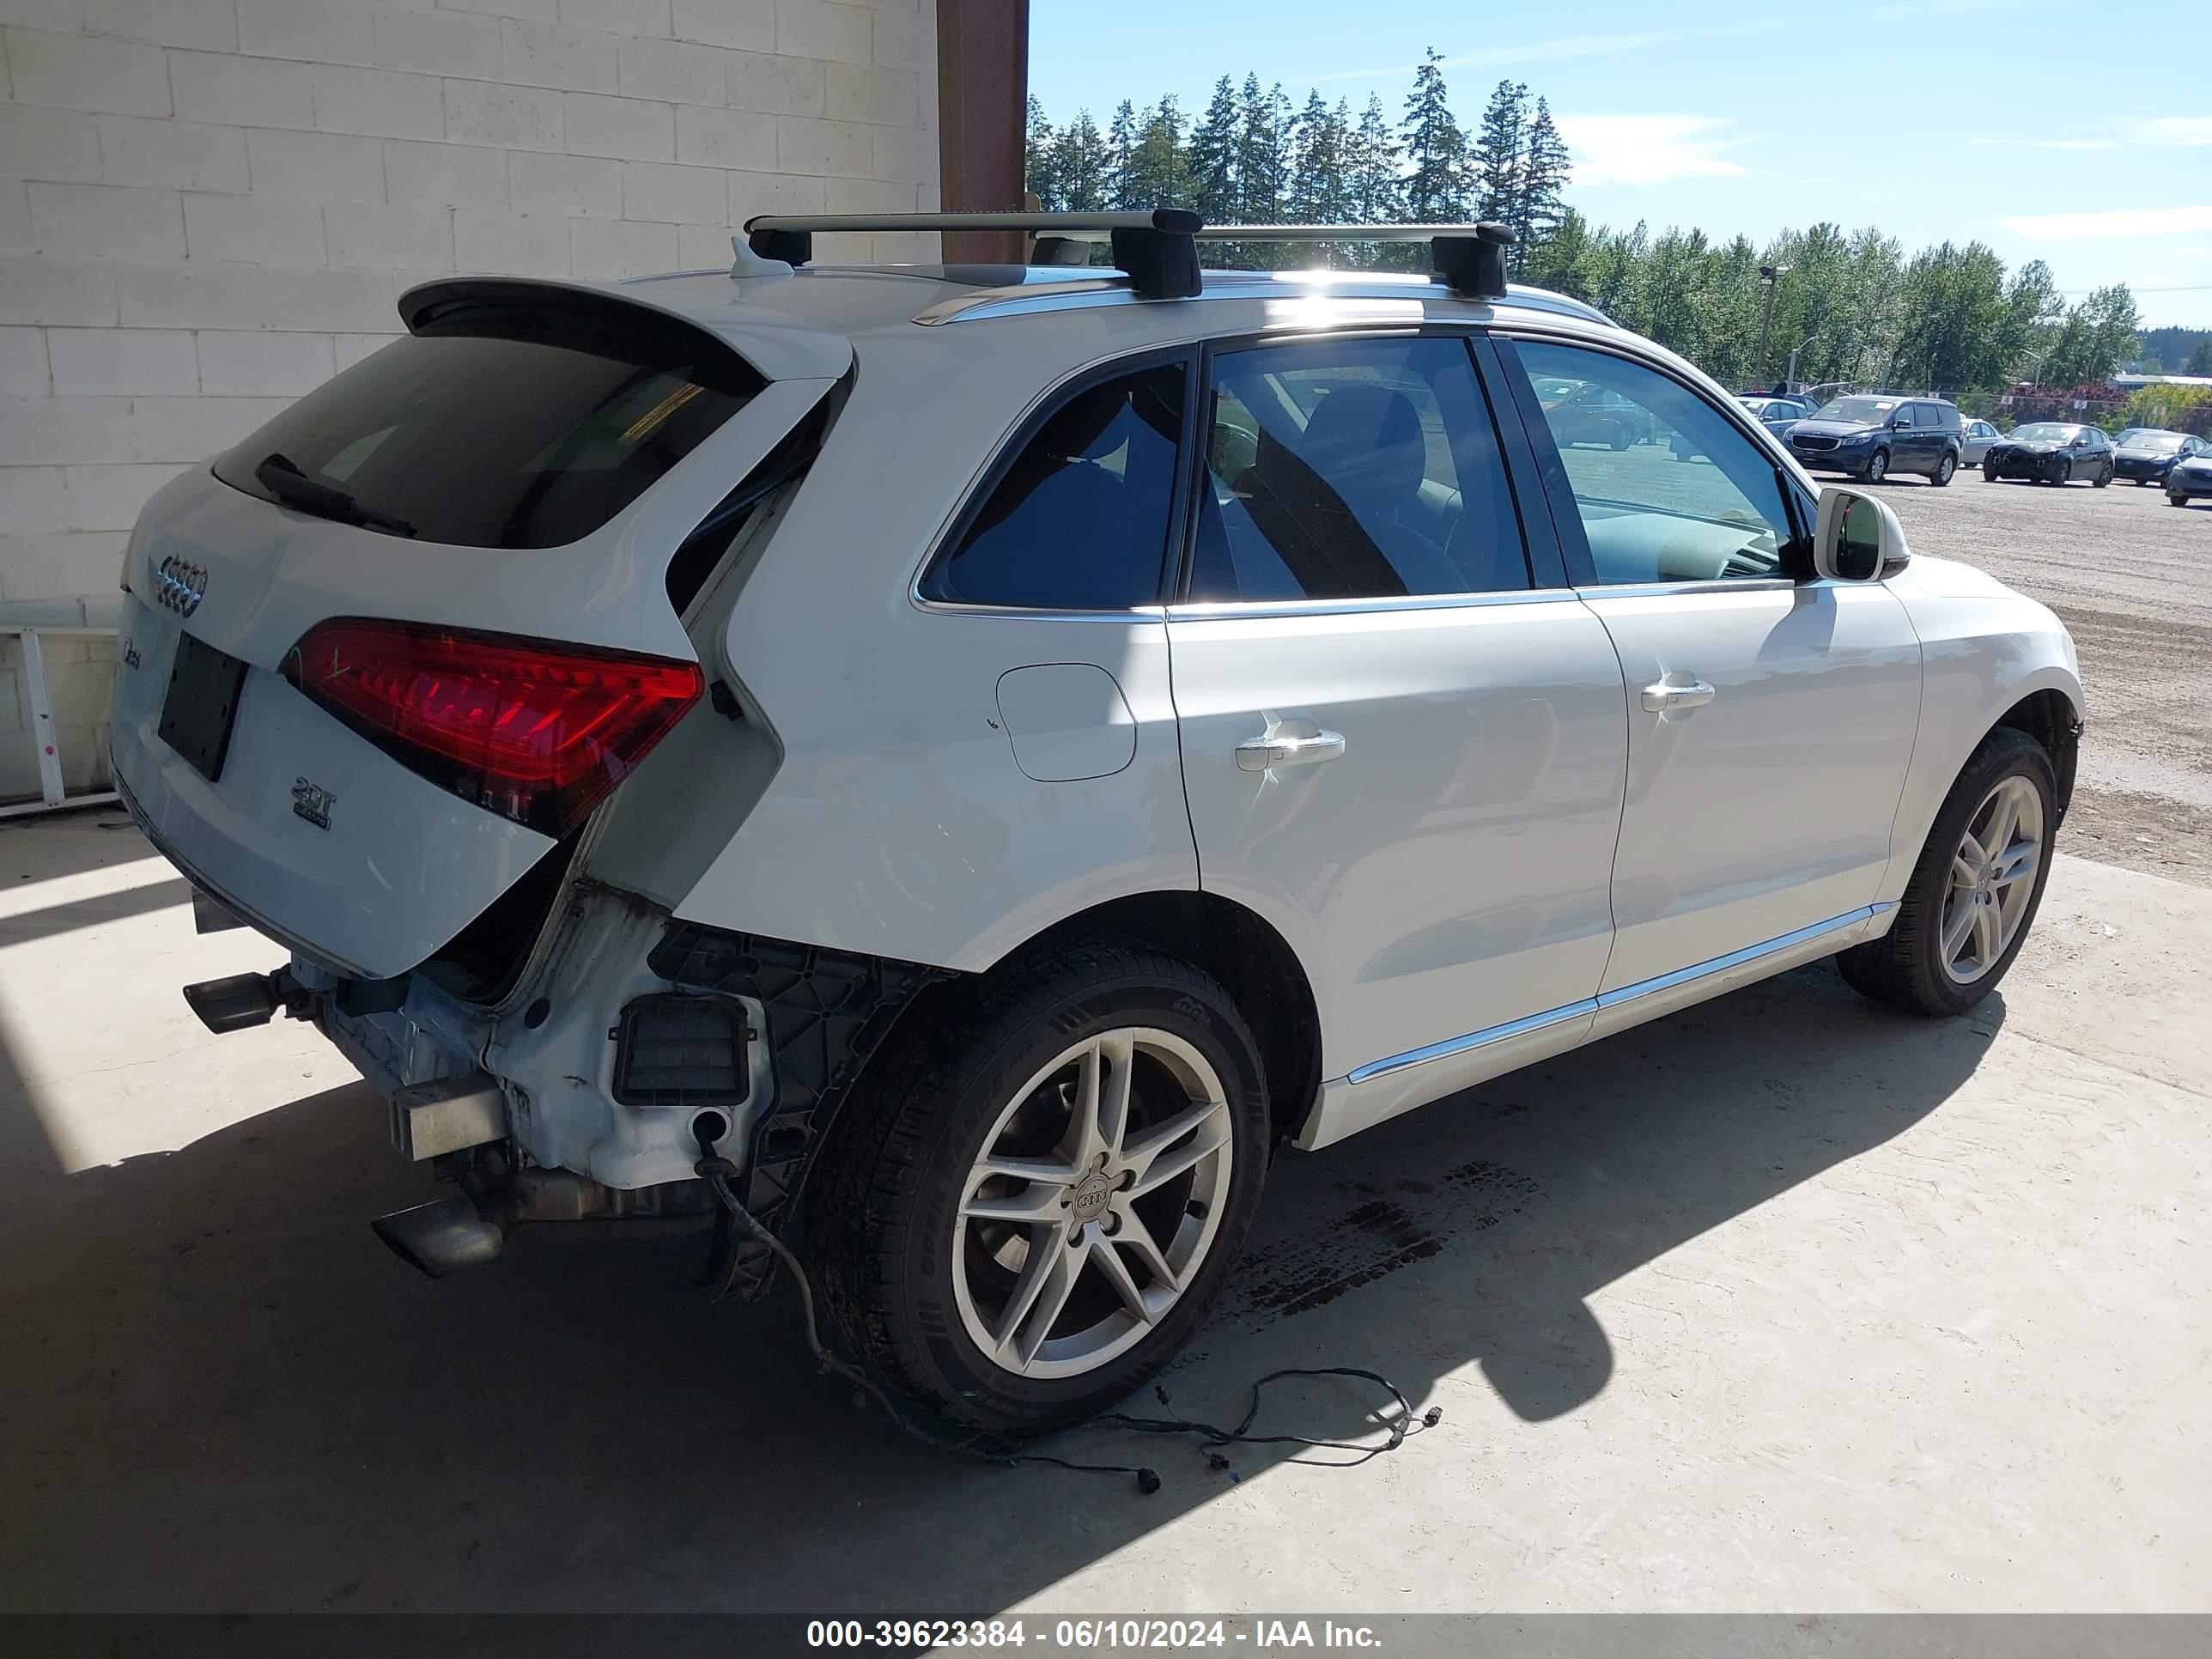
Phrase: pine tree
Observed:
(1082, 166)
(1321, 188)
(1374, 189)
(1121, 156)
(1037, 157)
(1262, 153)
(1500, 146)
(1156, 176)
(1211, 160)
(1436, 182)
(1545, 170)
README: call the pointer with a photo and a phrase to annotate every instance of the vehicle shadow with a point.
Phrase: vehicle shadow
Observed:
(224, 1395)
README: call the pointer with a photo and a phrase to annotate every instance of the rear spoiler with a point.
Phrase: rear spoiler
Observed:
(770, 344)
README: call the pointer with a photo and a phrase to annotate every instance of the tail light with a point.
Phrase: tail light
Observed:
(534, 730)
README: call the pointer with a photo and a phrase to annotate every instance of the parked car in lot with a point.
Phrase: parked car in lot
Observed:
(1584, 415)
(1871, 437)
(1975, 438)
(948, 769)
(2190, 479)
(2051, 453)
(1776, 413)
(2146, 455)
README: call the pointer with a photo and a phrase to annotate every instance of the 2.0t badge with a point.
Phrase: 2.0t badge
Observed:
(180, 586)
(313, 802)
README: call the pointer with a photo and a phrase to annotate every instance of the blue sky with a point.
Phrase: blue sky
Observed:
(2038, 128)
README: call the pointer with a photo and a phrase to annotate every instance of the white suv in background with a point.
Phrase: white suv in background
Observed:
(975, 759)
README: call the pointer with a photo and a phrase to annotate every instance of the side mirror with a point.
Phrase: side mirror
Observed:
(1856, 538)
(1896, 421)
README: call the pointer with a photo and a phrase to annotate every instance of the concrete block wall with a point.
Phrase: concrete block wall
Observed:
(208, 207)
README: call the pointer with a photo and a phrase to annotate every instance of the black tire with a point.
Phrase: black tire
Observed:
(1989, 474)
(1877, 467)
(1621, 441)
(888, 1182)
(2103, 477)
(1904, 968)
(2172, 500)
(1944, 469)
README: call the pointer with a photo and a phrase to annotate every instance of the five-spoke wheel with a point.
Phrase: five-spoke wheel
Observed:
(1097, 1196)
(1992, 876)
(1042, 1183)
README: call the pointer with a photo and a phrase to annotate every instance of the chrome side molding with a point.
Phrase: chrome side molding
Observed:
(1603, 1001)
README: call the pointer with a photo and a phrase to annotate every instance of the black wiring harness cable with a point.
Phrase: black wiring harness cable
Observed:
(1399, 1423)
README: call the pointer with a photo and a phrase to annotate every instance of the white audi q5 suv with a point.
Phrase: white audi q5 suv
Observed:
(945, 771)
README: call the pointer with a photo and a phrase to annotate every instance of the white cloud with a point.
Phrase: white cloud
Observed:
(2110, 224)
(1648, 149)
(2136, 132)
(2171, 131)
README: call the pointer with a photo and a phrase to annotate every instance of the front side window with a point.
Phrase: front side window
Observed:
(1353, 470)
(1700, 502)
(1080, 520)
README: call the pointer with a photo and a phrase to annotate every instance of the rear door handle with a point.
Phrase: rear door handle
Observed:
(1660, 697)
(1264, 754)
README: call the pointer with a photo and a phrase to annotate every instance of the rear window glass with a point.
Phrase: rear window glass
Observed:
(499, 425)
(1080, 520)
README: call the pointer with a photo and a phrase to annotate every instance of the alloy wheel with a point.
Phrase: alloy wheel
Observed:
(1992, 880)
(1093, 1204)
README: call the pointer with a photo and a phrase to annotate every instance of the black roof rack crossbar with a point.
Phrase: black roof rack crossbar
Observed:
(1153, 247)
(1470, 258)
(1158, 249)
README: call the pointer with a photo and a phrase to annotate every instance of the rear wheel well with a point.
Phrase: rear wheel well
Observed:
(1253, 963)
(2048, 716)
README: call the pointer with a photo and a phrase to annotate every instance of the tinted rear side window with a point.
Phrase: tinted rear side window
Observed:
(501, 425)
(1079, 521)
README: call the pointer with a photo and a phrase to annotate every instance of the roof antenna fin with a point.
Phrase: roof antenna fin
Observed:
(749, 263)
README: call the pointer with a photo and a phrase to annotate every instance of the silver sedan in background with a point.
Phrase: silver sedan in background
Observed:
(1975, 438)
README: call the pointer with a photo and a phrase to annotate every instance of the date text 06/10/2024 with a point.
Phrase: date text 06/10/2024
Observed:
(1083, 1635)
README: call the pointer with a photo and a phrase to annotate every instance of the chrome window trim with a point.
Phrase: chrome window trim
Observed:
(1025, 613)
(1605, 1000)
(1249, 610)
(1707, 584)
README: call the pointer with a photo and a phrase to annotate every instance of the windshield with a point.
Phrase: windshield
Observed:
(2045, 431)
(2159, 443)
(1869, 411)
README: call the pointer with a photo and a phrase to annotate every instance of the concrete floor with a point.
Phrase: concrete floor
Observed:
(1787, 1304)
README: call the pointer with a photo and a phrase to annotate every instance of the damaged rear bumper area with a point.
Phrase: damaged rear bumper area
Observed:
(632, 1045)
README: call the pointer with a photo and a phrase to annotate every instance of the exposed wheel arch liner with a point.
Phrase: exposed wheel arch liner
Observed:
(1241, 949)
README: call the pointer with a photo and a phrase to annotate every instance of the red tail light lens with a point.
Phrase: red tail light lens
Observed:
(534, 730)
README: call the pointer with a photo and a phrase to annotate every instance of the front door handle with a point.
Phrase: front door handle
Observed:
(1263, 754)
(1660, 697)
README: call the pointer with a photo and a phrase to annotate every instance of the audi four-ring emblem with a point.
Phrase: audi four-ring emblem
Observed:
(179, 587)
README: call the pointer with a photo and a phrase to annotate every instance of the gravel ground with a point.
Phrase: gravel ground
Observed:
(2132, 577)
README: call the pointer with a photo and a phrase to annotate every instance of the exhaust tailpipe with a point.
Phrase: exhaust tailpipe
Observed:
(442, 1238)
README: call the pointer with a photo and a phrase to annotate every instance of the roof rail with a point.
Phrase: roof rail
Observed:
(1157, 249)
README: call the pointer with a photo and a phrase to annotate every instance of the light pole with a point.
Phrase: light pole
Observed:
(1790, 375)
(1769, 275)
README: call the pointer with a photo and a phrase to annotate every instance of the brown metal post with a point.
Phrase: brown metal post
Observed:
(982, 114)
